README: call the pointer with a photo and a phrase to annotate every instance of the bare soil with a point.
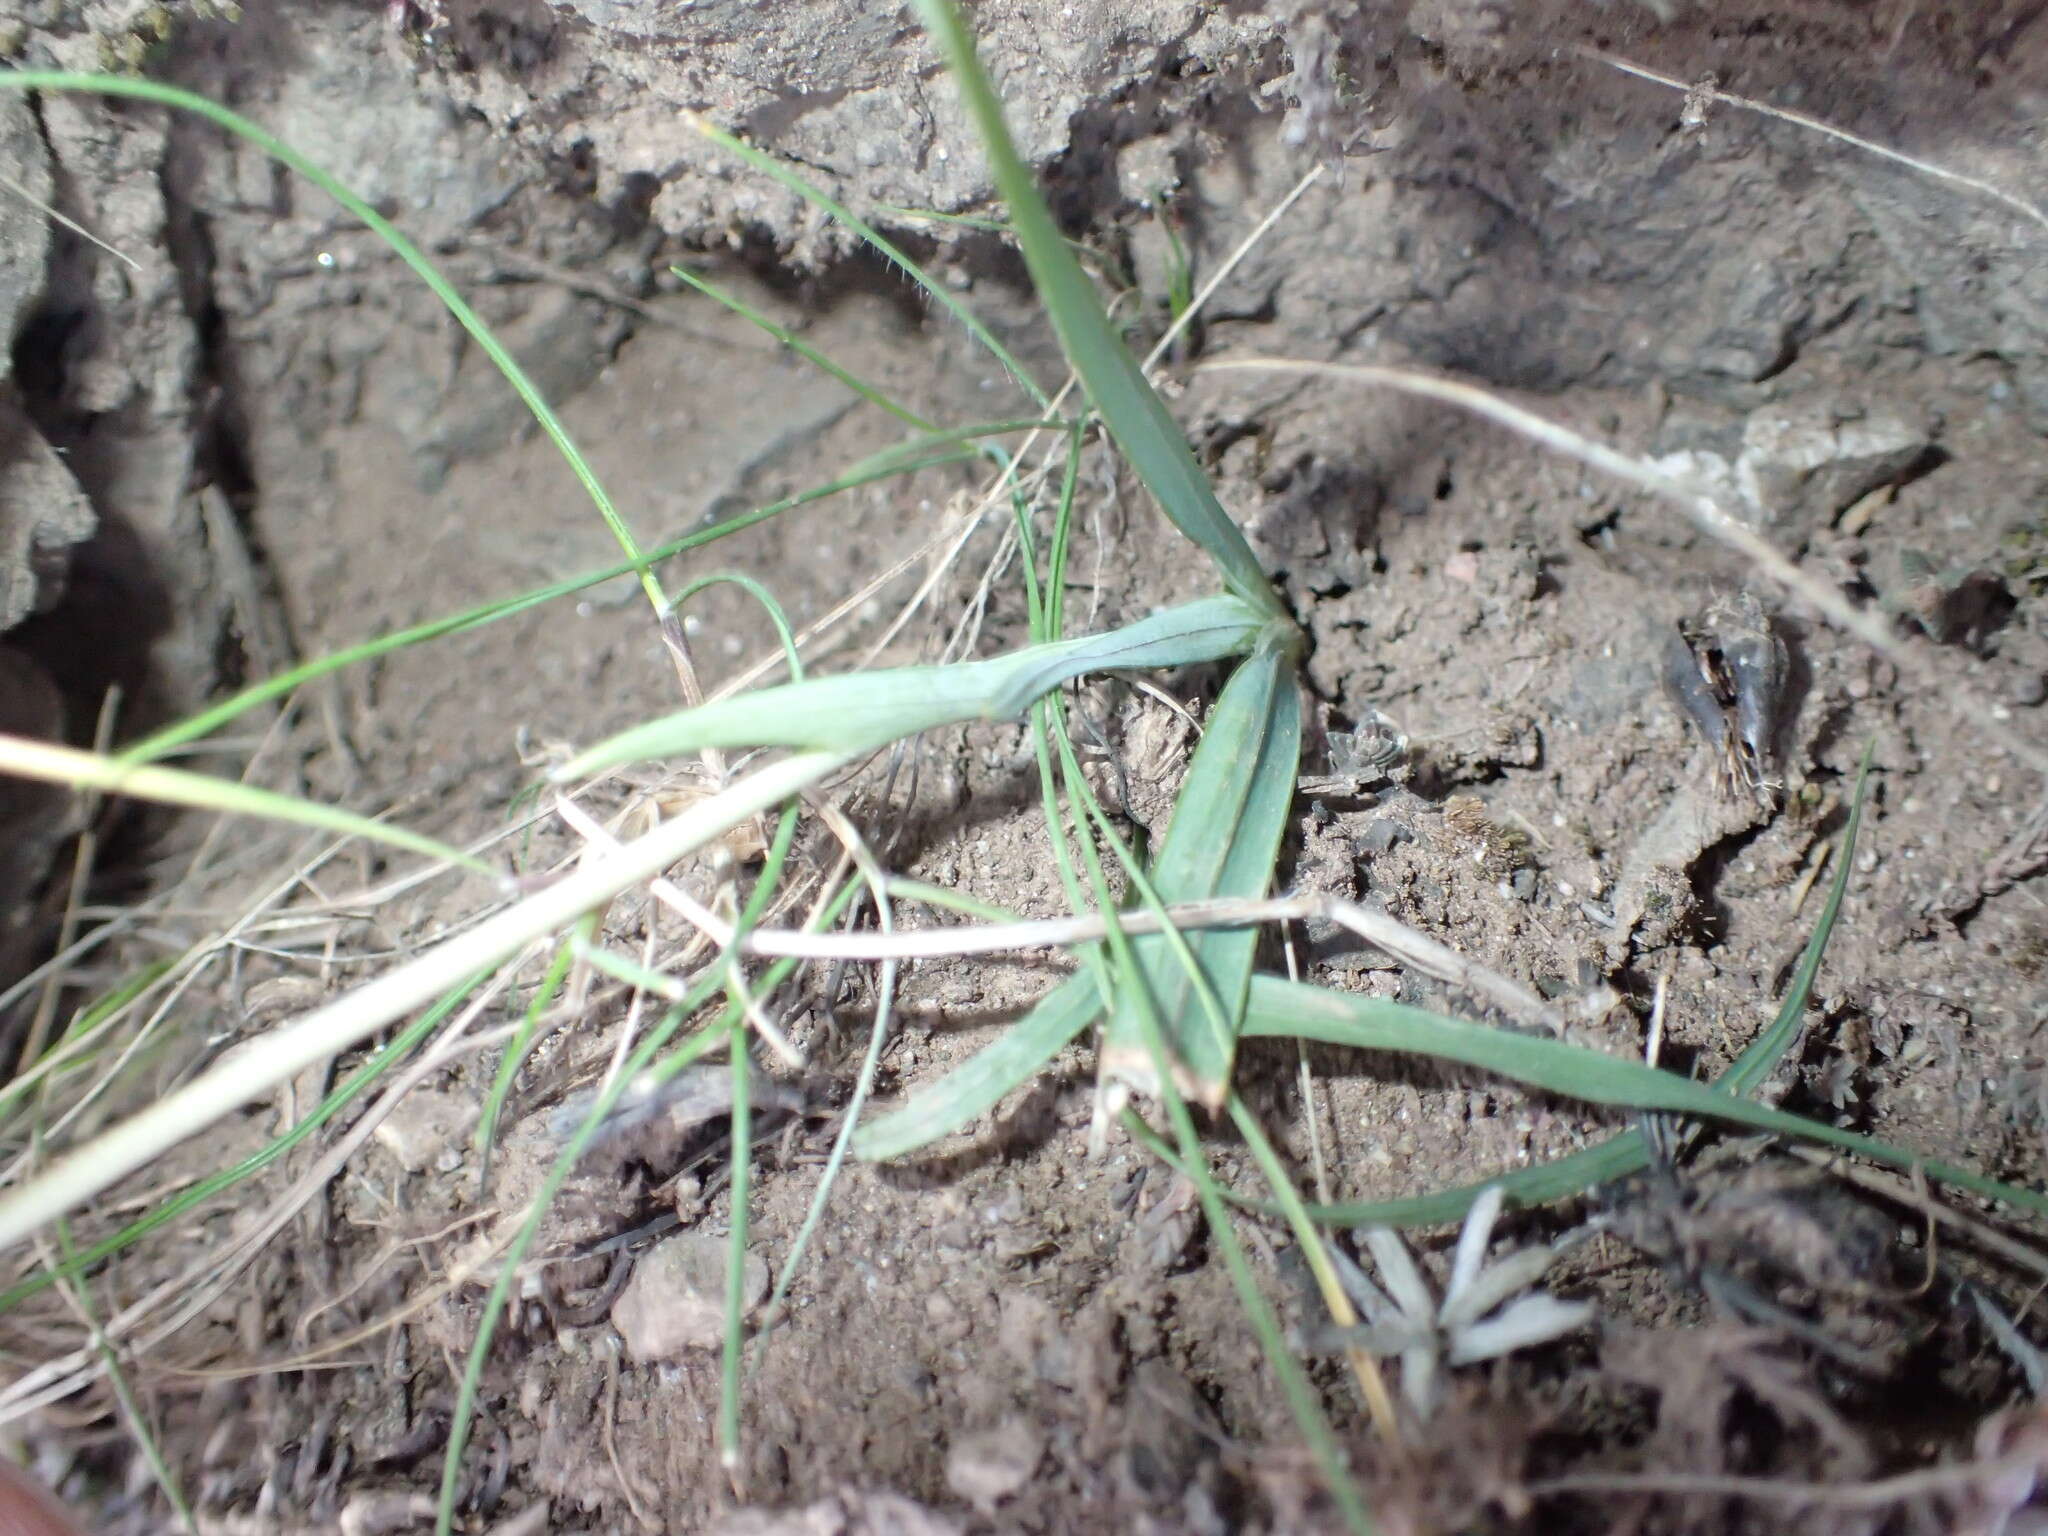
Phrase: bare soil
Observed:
(287, 447)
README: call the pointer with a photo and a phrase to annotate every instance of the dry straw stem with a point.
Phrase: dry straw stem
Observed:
(1891, 1186)
(356, 1016)
(76, 228)
(192, 1291)
(1965, 1478)
(1706, 91)
(1706, 513)
(1396, 938)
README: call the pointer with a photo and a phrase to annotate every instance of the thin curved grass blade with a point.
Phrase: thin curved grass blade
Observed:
(928, 452)
(172, 1207)
(803, 349)
(114, 775)
(137, 88)
(787, 176)
(1619, 1156)
(1294, 1009)
(865, 711)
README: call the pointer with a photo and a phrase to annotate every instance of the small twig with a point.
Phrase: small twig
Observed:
(1700, 90)
(1319, 1169)
(611, 1441)
(372, 1270)
(856, 850)
(1230, 264)
(1871, 1495)
(694, 912)
(47, 211)
(1653, 1047)
(1891, 1187)
(83, 858)
(1395, 937)
(2026, 852)
(1705, 512)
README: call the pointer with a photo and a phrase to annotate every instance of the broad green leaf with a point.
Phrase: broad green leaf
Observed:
(979, 1083)
(1289, 1008)
(1129, 406)
(1222, 842)
(868, 710)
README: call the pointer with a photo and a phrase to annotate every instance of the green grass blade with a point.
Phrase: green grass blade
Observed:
(1301, 1397)
(979, 1083)
(922, 453)
(641, 1062)
(773, 168)
(385, 230)
(1130, 408)
(1620, 1156)
(802, 348)
(66, 1047)
(868, 710)
(500, 1293)
(1225, 834)
(1294, 1009)
(741, 1173)
(1243, 776)
(139, 1425)
(358, 1082)
(1761, 1056)
(485, 1139)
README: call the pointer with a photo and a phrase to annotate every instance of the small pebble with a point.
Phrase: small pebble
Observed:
(2030, 690)
(423, 1125)
(989, 1467)
(675, 1301)
(1380, 835)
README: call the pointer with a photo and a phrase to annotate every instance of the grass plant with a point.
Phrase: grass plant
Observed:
(1173, 1000)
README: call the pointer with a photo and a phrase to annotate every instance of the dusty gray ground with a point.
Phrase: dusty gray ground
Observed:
(277, 445)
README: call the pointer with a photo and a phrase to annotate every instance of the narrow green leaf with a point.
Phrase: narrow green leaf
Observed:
(137, 88)
(114, 775)
(979, 1083)
(1130, 408)
(920, 453)
(1288, 1008)
(868, 710)
(1619, 1156)
(803, 349)
(939, 294)
(1761, 1056)
(1225, 835)
(173, 1206)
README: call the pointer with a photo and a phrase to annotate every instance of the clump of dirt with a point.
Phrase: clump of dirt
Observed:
(247, 433)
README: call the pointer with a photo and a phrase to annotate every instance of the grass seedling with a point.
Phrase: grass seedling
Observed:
(1173, 1003)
